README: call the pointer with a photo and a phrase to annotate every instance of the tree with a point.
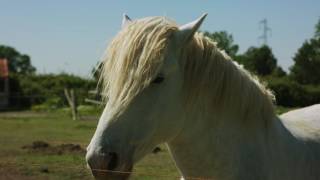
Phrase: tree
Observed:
(224, 41)
(259, 60)
(317, 32)
(18, 63)
(278, 72)
(306, 68)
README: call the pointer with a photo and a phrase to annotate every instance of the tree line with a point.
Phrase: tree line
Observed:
(261, 60)
(299, 87)
(40, 91)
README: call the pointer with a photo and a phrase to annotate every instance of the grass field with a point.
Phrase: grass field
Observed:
(18, 129)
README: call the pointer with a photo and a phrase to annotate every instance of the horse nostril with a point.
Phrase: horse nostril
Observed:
(113, 162)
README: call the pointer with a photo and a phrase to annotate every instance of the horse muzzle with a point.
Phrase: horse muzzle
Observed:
(107, 166)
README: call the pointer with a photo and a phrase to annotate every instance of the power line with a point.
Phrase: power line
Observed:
(265, 29)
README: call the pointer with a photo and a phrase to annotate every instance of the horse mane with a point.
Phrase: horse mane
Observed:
(133, 59)
(212, 79)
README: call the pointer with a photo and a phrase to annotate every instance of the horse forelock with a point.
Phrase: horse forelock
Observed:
(133, 58)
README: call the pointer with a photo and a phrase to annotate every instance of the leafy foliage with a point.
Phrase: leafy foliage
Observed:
(317, 32)
(259, 60)
(279, 72)
(292, 94)
(306, 69)
(47, 89)
(224, 41)
(18, 63)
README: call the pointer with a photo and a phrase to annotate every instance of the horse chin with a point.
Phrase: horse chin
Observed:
(118, 174)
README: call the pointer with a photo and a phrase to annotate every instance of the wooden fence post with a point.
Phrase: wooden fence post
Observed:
(71, 98)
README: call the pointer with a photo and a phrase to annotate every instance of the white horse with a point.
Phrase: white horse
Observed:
(168, 84)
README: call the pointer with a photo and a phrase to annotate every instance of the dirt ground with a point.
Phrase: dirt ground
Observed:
(11, 173)
(45, 147)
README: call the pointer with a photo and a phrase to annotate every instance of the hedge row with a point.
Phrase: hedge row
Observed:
(291, 94)
(48, 89)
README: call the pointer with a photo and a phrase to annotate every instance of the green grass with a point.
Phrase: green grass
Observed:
(23, 128)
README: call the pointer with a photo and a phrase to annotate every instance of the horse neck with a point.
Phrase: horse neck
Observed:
(215, 82)
(222, 119)
(218, 92)
(217, 145)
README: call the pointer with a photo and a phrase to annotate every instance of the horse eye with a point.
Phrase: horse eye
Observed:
(158, 79)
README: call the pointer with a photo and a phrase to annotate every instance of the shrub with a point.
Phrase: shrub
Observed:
(47, 90)
(291, 94)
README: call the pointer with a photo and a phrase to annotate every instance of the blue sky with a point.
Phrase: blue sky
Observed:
(70, 36)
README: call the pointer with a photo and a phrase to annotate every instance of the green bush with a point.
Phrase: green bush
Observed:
(47, 90)
(291, 94)
(51, 103)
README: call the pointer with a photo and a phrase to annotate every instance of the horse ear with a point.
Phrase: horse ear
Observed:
(187, 31)
(125, 20)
